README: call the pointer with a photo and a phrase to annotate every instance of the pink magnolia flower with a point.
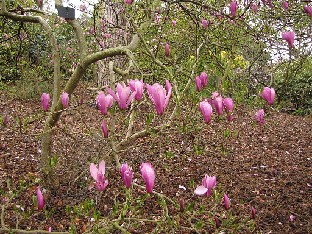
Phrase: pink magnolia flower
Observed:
(289, 37)
(228, 104)
(148, 174)
(45, 101)
(174, 23)
(104, 102)
(129, 2)
(268, 94)
(123, 95)
(138, 87)
(65, 99)
(98, 174)
(233, 8)
(104, 129)
(218, 104)
(307, 9)
(206, 110)
(204, 78)
(198, 83)
(285, 5)
(204, 23)
(126, 174)
(253, 212)
(259, 117)
(254, 7)
(40, 200)
(158, 96)
(201, 81)
(50, 229)
(167, 50)
(208, 184)
(226, 201)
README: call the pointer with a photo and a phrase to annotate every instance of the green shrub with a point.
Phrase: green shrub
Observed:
(295, 90)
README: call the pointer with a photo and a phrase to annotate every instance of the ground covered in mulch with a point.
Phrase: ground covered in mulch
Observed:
(268, 168)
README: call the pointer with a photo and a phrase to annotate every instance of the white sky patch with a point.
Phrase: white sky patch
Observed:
(50, 6)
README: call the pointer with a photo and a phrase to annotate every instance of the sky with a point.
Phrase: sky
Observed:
(50, 5)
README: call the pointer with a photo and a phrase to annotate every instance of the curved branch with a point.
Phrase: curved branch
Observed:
(80, 37)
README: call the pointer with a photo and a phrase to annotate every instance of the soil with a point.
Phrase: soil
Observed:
(266, 167)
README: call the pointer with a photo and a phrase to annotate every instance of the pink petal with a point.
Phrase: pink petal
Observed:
(102, 167)
(93, 171)
(200, 190)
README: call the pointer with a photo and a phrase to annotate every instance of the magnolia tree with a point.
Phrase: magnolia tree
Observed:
(173, 48)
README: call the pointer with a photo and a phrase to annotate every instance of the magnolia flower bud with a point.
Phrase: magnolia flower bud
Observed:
(226, 201)
(45, 101)
(65, 100)
(268, 94)
(285, 5)
(148, 174)
(206, 110)
(289, 37)
(307, 9)
(40, 200)
(233, 8)
(126, 174)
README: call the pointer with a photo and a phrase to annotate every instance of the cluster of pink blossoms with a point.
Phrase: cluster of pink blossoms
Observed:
(125, 94)
(147, 172)
(219, 104)
(216, 101)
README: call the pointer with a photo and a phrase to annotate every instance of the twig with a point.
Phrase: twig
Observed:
(156, 193)
(137, 219)
(116, 225)
(131, 121)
